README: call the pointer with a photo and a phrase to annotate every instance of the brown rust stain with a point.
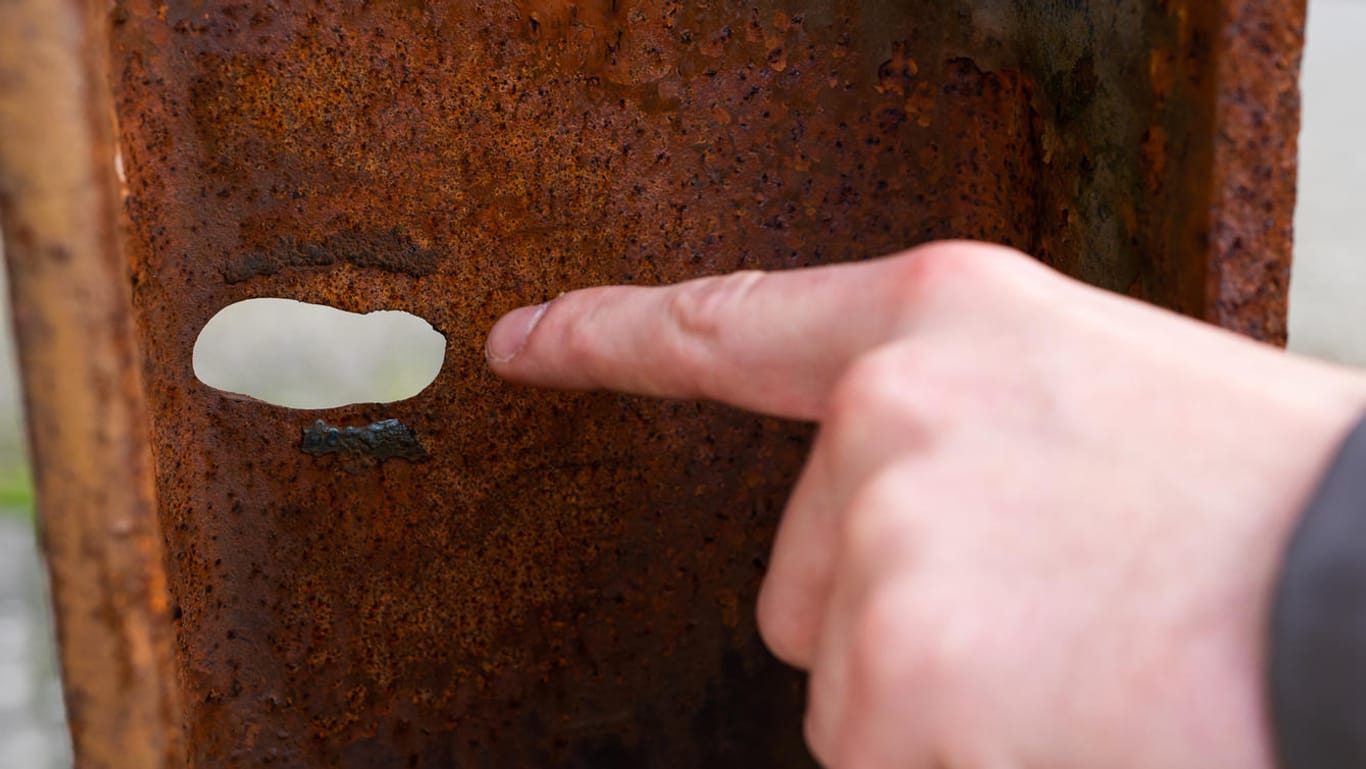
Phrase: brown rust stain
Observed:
(567, 580)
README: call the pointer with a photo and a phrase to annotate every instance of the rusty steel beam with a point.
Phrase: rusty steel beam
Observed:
(548, 579)
(1257, 47)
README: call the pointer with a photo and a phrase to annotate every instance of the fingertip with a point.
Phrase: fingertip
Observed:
(509, 335)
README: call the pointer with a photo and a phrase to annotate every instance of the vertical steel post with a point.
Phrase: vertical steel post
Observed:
(557, 579)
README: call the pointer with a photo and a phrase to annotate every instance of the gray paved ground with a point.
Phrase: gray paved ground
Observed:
(32, 735)
(1328, 318)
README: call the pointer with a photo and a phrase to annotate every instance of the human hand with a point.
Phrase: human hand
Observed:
(1041, 523)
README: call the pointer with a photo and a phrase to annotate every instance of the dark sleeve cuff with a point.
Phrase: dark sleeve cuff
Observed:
(1318, 625)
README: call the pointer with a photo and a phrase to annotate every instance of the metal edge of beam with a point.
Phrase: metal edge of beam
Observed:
(1257, 56)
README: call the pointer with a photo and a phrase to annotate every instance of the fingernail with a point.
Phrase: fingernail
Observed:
(510, 333)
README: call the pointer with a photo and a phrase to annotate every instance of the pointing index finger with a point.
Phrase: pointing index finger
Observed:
(768, 342)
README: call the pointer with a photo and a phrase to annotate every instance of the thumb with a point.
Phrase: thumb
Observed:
(773, 343)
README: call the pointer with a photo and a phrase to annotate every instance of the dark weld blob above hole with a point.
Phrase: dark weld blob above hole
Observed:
(389, 250)
(310, 356)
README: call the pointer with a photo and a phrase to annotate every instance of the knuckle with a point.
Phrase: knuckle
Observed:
(933, 270)
(872, 381)
(700, 308)
(818, 736)
(945, 271)
(890, 388)
(878, 524)
(786, 633)
(697, 315)
(581, 341)
(878, 649)
(882, 532)
(769, 617)
(896, 644)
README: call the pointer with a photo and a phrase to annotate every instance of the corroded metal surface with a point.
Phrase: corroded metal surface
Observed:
(1257, 101)
(567, 579)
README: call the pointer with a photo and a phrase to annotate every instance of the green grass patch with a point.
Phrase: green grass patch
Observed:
(16, 491)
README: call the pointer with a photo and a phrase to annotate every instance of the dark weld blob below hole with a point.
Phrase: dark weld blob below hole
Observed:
(386, 439)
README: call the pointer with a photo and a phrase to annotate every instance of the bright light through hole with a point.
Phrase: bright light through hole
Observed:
(311, 356)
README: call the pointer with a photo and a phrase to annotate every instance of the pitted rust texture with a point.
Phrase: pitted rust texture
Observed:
(569, 579)
(1259, 48)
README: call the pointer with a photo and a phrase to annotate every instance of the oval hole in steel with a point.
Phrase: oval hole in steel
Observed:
(311, 356)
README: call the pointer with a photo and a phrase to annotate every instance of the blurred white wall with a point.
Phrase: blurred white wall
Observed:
(1328, 289)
